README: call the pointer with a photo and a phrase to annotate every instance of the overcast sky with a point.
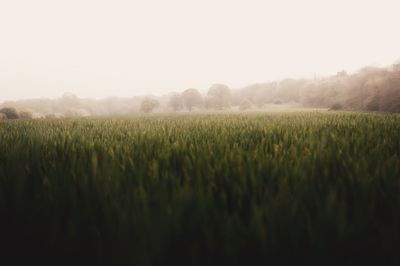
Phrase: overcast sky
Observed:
(96, 48)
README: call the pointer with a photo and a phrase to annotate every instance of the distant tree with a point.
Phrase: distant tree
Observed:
(373, 104)
(341, 74)
(25, 115)
(70, 100)
(9, 112)
(245, 104)
(210, 102)
(221, 95)
(3, 116)
(148, 105)
(191, 98)
(336, 106)
(175, 102)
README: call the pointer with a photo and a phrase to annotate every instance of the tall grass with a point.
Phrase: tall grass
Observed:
(279, 189)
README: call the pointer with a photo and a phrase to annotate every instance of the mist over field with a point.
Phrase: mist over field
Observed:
(369, 89)
(123, 49)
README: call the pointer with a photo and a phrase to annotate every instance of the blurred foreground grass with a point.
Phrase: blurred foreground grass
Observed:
(314, 188)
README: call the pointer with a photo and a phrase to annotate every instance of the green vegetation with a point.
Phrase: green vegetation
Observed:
(316, 188)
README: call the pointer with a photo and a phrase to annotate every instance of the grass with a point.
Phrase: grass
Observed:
(307, 188)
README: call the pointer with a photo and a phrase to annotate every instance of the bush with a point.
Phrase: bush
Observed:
(336, 106)
(10, 113)
(25, 115)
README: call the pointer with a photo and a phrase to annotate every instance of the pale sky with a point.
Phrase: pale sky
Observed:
(96, 48)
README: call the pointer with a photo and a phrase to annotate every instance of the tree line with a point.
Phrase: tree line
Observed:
(219, 97)
(369, 89)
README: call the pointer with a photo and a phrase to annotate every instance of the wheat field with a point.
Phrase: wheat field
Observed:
(298, 188)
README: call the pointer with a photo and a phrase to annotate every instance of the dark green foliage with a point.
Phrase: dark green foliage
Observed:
(256, 189)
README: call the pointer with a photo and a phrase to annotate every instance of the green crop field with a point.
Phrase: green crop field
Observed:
(306, 188)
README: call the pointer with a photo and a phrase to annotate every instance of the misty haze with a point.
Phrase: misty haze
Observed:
(189, 132)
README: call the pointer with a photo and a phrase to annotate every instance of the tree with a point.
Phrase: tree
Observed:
(210, 102)
(175, 102)
(9, 112)
(191, 98)
(373, 104)
(148, 105)
(341, 74)
(70, 100)
(221, 95)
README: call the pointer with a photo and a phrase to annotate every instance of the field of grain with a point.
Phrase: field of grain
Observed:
(307, 188)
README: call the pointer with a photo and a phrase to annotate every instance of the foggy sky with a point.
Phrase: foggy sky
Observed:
(97, 48)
